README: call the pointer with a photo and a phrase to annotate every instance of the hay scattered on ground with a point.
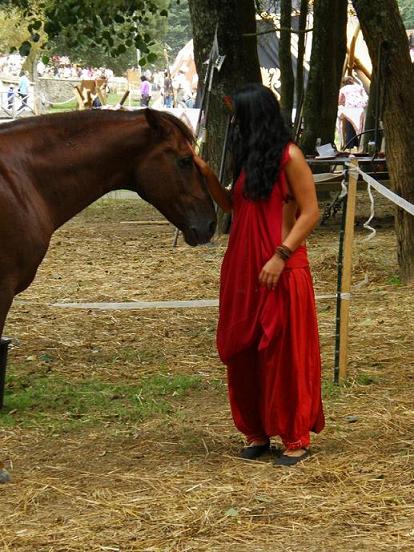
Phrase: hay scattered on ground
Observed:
(173, 482)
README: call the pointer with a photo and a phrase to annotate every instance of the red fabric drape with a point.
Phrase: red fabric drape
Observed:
(268, 339)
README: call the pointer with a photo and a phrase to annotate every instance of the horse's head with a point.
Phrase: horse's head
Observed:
(168, 179)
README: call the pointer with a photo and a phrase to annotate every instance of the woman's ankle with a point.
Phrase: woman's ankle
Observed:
(294, 452)
(302, 444)
(258, 442)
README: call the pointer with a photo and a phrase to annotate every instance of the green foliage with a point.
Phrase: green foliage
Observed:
(13, 29)
(84, 51)
(179, 27)
(111, 26)
(103, 33)
(51, 402)
(114, 27)
(407, 12)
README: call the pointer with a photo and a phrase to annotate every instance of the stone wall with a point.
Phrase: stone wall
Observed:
(57, 90)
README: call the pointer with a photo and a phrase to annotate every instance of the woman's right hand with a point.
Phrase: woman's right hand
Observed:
(220, 195)
(202, 166)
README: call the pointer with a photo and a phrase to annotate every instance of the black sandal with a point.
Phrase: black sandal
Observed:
(254, 451)
(285, 460)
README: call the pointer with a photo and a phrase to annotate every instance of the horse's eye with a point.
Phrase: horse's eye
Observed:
(185, 162)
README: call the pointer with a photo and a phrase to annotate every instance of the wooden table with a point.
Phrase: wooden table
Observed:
(377, 168)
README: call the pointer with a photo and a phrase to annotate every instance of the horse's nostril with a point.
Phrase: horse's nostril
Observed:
(194, 231)
(201, 233)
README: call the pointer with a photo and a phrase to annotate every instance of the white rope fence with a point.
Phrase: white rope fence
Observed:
(330, 177)
(326, 177)
(371, 215)
(143, 305)
(383, 190)
(354, 174)
(44, 99)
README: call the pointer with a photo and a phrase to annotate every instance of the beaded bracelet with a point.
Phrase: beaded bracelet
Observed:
(283, 252)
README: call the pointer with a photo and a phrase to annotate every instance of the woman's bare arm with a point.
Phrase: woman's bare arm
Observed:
(302, 187)
(220, 195)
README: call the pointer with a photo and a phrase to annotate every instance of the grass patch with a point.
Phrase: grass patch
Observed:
(61, 108)
(112, 99)
(394, 280)
(365, 379)
(330, 389)
(53, 403)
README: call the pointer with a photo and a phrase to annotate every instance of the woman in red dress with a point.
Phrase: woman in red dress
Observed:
(267, 331)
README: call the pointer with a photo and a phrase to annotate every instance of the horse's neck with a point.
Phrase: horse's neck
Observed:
(75, 168)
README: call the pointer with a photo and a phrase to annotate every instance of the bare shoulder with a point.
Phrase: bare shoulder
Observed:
(298, 171)
(296, 154)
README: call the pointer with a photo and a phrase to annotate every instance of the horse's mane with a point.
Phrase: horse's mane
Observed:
(76, 117)
(185, 129)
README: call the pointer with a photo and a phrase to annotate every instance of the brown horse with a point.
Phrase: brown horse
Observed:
(52, 167)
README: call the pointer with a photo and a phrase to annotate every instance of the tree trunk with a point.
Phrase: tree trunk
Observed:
(234, 18)
(370, 113)
(287, 79)
(381, 24)
(327, 59)
(300, 85)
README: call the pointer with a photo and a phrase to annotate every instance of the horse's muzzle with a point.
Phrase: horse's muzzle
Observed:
(196, 234)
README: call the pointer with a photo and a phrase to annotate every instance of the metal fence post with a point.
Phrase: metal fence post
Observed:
(4, 345)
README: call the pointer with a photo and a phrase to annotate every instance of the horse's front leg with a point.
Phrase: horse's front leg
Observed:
(6, 299)
(14, 281)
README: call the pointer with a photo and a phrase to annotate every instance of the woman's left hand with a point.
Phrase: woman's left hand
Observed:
(271, 272)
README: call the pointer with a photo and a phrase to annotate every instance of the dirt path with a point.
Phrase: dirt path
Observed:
(118, 428)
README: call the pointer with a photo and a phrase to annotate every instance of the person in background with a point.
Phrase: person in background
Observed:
(145, 91)
(180, 95)
(96, 102)
(411, 45)
(267, 331)
(351, 112)
(11, 94)
(168, 90)
(23, 91)
(41, 68)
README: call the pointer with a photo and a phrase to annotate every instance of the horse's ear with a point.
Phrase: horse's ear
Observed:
(155, 122)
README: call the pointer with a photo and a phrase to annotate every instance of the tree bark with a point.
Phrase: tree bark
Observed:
(300, 85)
(287, 79)
(382, 26)
(235, 18)
(327, 60)
(370, 113)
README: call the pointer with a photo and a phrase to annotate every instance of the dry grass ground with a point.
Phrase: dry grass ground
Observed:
(117, 430)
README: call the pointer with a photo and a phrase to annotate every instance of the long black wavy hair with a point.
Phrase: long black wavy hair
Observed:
(258, 139)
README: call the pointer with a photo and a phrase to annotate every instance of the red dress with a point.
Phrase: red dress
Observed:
(269, 338)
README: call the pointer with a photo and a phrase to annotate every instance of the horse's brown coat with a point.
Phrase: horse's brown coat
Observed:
(52, 167)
